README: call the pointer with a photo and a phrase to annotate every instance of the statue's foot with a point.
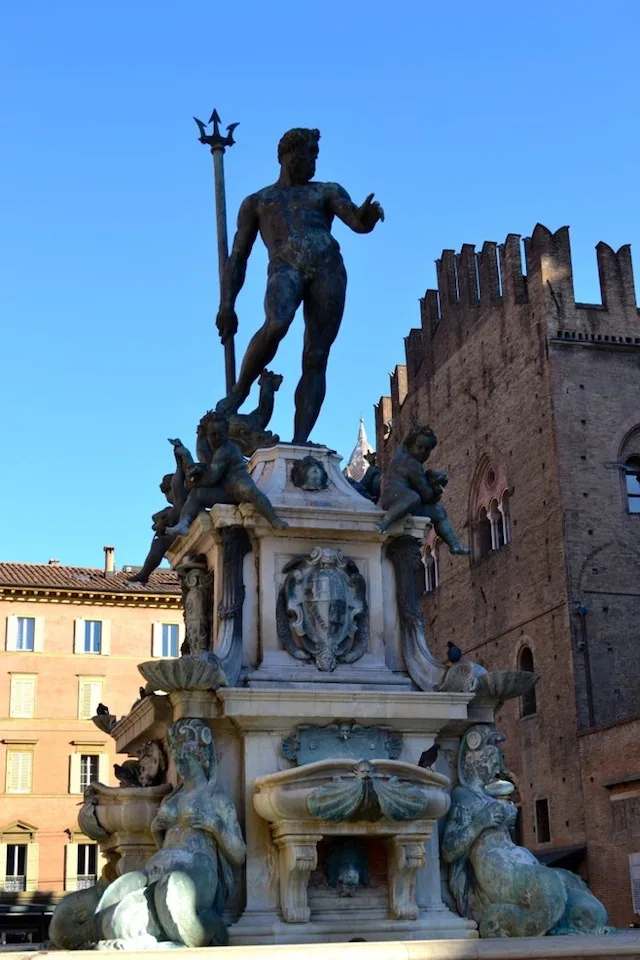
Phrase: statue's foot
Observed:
(180, 530)
(229, 405)
(382, 526)
(138, 578)
(460, 548)
(279, 524)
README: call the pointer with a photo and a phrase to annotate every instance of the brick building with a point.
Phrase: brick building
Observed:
(535, 400)
(73, 639)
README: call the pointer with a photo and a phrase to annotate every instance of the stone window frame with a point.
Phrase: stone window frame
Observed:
(628, 449)
(526, 644)
(156, 637)
(489, 520)
(20, 833)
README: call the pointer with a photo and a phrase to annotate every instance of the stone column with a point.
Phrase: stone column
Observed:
(228, 646)
(197, 600)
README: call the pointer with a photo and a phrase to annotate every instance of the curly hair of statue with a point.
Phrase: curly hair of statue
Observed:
(417, 429)
(295, 138)
(193, 734)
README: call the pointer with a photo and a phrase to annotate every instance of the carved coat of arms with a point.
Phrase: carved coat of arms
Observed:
(323, 610)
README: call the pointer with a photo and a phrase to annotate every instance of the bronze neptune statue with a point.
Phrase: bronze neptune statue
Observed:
(294, 217)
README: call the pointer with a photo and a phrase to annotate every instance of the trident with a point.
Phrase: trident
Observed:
(218, 144)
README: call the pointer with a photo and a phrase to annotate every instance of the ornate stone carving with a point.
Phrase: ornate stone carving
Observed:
(425, 671)
(501, 886)
(345, 866)
(405, 857)
(148, 770)
(367, 796)
(309, 474)
(235, 546)
(309, 742)
(197, 591)
(298, 857)
(323, 604)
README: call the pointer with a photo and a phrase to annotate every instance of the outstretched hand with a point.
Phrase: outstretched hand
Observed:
(370, 212)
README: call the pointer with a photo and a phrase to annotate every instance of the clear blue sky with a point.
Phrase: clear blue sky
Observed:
(468, 121)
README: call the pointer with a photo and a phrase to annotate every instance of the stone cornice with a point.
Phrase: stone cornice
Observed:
(172, 601)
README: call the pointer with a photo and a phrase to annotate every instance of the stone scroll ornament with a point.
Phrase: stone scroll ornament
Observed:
(502, 886)
(322, 609)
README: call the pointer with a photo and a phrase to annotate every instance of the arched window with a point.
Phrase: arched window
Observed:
(484, 535)
(430, 559)
(528, 705)
(431, 572)
(497, 527)
(632, 483)
(489, 507)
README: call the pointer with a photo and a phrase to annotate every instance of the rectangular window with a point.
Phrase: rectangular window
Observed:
(26, 633)
(22, 701)
(89, 770)
(19, 771)
(169, 639)
(87, 865)
(16, 873)
(93, 636)
(543, 826)
(89, 696)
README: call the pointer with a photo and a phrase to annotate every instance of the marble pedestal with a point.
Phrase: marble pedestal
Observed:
(281, 897)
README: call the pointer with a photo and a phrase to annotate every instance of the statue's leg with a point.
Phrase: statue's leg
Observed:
(199, 499)
(250, 494)
(283, 297)
(442, 526)
(159, 546)
(323, 310)
(400, 508)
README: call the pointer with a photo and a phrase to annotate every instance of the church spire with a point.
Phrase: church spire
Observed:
(357, 465)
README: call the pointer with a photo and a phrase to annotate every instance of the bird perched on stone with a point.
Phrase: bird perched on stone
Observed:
(429, 757)
(101, 710)
(454, 653)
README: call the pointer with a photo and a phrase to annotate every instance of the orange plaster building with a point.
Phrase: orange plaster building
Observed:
(73, 638)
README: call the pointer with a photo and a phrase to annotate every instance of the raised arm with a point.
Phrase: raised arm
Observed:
(360, 219)
(236, 267)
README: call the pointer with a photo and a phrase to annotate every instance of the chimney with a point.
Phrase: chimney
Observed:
(109, 561)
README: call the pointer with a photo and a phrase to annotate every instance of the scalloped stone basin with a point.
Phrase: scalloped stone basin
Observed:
(128, 809)
(344, 790)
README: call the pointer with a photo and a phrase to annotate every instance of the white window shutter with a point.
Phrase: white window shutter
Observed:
(12, 634)
(23, 697)
(74, 773)
(89, 696)
(78, 635)
(38, 635)
(105, 640)
(103, 768)
(71, 866)
(156, 640)
(180, 636)
(19, 768)
(33, 858)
